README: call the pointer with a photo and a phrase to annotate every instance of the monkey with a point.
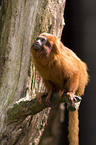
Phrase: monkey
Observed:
(62, 71)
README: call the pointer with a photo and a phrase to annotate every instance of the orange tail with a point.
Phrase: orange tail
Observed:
(73, 128)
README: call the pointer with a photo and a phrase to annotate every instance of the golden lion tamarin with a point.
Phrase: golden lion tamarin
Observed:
(62, 71)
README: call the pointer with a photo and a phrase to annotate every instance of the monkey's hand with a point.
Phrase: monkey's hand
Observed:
(40, 95)
(48, 98)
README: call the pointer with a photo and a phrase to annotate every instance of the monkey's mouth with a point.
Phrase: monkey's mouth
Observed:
(36, 47)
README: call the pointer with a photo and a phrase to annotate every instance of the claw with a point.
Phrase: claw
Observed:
(77, 99)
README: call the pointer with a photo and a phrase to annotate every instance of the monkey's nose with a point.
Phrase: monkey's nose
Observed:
(38, 42)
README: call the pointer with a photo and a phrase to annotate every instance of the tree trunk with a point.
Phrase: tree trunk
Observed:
(21, 22)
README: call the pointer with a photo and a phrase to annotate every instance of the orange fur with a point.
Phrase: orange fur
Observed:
(62, 70)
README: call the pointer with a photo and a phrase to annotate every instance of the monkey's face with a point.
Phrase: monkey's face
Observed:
(42, 45)
(39, 43)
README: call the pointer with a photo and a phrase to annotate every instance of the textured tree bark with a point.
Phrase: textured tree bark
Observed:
(21, 22)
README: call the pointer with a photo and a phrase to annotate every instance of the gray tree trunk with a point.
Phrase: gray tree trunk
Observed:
(21, 22)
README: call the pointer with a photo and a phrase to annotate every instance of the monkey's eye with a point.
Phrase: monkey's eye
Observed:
(42, 40)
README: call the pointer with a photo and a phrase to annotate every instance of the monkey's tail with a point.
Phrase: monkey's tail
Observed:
(73, 128)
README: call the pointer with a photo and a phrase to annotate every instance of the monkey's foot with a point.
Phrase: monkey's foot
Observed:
(74, 102)
(71, 97)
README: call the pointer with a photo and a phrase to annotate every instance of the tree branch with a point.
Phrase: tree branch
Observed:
(22, 108)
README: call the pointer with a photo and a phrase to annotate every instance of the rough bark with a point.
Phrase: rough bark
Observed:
(20, 23)
(23, 108)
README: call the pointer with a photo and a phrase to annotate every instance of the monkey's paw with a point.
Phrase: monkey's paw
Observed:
(71, 97)
(74, 102)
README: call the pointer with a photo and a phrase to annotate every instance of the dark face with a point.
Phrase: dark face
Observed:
(41, 43)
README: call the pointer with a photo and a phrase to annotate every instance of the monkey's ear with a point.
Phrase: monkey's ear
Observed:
(56, 47)
(51, 43)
